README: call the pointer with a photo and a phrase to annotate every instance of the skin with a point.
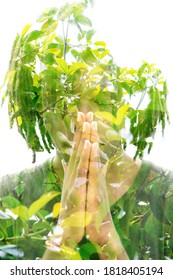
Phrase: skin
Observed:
(87, 188)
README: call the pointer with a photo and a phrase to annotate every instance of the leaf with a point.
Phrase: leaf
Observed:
(126, 86)
(12, 250)
(92, 92)
(76, 66)
(141, 69)
(21, 211)
(70, 253)
(78, 219)
(11, 202)
(49, 26)
(88, 57)
(19, 120)
(53, 50)
(34, 35)
(25, 29)
(95, 70)
(121, 114)
(62, 65)
(100, 43)
(103, 54)
(88, 249)
(41, 202)
(56, 209)
(89, 35)
(3, 215)
(47, 14)
(107, 116)
(81, 19)
(41, 225)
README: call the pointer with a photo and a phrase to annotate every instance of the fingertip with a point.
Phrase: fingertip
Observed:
(80, 117)
(89, 116)
(87, 144)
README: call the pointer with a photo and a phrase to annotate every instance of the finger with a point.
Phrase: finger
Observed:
(89, 117)
(78, 191)
(78, 133)
(94, 133)
(84, 136)
(82, 170)
(93, 194)
(76, 140)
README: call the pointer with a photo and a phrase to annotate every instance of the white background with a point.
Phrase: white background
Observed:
(134, 30)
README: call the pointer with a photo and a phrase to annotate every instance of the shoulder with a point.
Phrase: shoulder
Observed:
(32, 181)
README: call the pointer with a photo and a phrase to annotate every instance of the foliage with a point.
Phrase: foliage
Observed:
(58, 66)
(145, 227)
(50, 75)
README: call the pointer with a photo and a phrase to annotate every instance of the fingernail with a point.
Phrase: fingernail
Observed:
(79, 117)
(94, 126)
(86, 144)
(90, 116)
(95, 147)
(85, 126)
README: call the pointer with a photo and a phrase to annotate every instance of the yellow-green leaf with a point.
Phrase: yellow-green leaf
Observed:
(53, 50)
(35, 80)
(121, 113)
(56, 209)
(25, 29)
(62, 64)
(96, 70)
(70, 253)
(76, 66)
(21, 211)
(92, 92)
(115, 120)
(100, 43)
(19, 121)
(103, 54)
(78, 219)
(41, 202)
(107, 116)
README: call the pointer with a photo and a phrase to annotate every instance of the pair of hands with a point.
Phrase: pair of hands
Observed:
(85, 208)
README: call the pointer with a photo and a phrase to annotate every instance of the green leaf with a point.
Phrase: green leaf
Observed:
(34, 35)
(63, 67)
(41, 225)
(126, 86)
(81, 19)
(11, 202)
(89, 35)
(47, 14)
(141, 69)
(21, 211)
(49, 26)
(41, 202)
(88, 57)
(88, 249)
